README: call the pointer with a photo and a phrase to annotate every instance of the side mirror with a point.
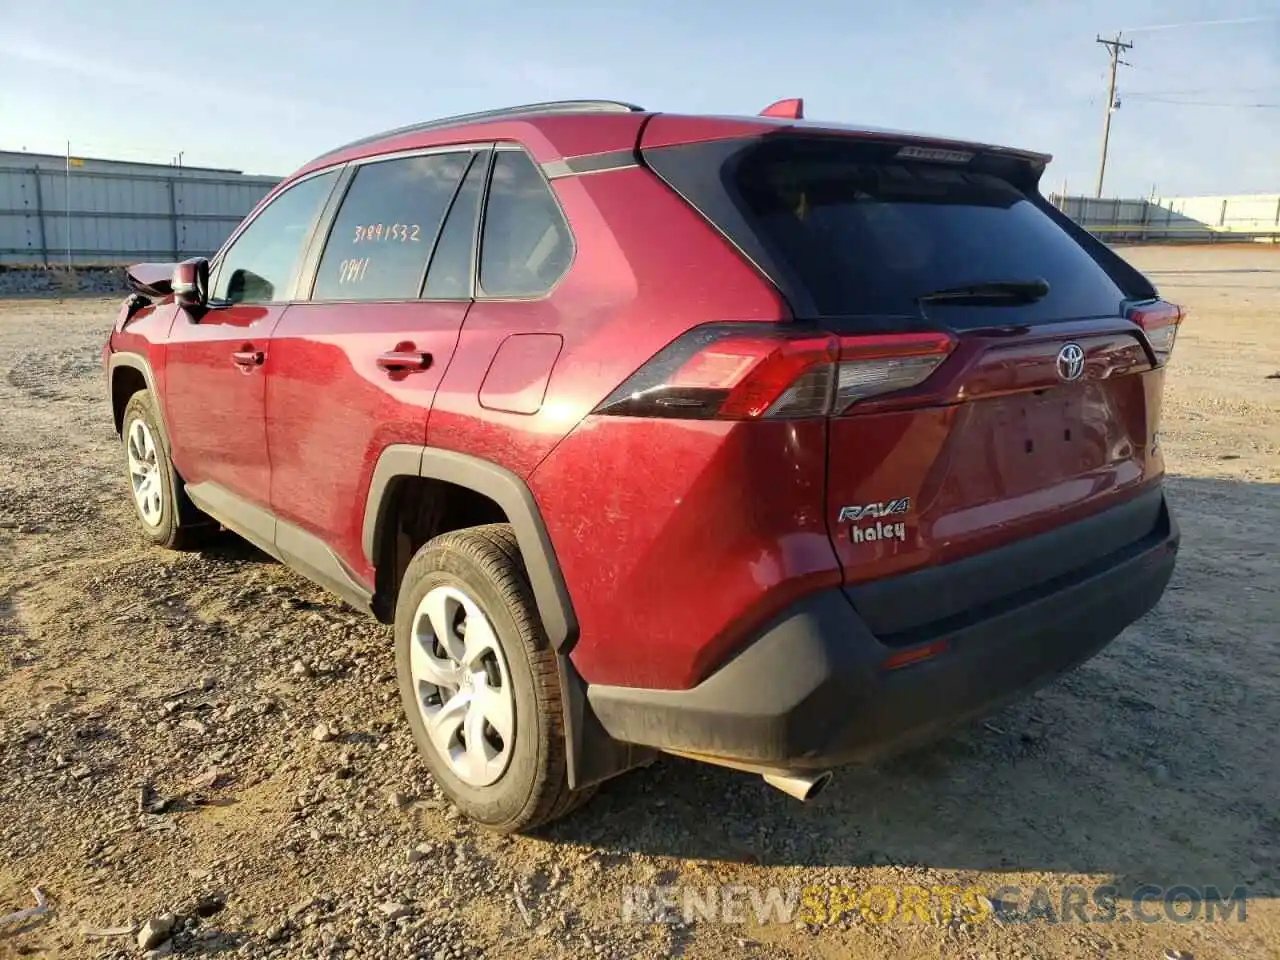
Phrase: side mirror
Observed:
(191, 284)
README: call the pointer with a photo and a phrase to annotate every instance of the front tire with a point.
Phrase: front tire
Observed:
(479, 682)
(166, 515)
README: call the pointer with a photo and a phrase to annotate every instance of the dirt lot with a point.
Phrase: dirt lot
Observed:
(1156, 763)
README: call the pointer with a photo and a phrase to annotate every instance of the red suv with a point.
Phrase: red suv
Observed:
(771, 443)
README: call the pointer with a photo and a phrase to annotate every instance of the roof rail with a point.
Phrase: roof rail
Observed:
(503, 113)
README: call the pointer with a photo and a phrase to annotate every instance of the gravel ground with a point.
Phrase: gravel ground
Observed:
(208, 744)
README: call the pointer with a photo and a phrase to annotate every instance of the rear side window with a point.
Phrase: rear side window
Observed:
(867, 235)
(526, 246)
(386, 228)
(449, 276)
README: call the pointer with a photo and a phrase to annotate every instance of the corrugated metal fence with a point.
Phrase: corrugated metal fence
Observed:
(118, 214)
(56, 210)
(1200, 219)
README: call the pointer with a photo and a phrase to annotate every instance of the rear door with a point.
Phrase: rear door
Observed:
(355, 367)
(991, 385)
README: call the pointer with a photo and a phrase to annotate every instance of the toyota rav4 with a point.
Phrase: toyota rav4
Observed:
(771, 443)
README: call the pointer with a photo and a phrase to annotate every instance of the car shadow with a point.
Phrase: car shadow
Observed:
(231, 548)
(1156, 762)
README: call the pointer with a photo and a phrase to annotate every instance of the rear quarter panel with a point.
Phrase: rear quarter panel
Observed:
(678, 538)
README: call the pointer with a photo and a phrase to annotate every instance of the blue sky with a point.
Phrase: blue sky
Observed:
(263, 86)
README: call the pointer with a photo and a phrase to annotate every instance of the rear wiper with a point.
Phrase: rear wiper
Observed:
(993, 292)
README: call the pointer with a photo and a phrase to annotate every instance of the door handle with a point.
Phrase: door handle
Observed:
(248, 358)
(400, 361)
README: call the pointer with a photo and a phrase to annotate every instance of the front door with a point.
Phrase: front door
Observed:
(217, 360)
(355, 368)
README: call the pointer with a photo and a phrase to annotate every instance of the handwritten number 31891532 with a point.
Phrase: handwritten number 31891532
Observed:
(373, 232)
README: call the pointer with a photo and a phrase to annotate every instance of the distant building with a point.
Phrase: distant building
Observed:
(119, 212)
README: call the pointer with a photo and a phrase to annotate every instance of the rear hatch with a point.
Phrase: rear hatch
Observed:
(999, 371)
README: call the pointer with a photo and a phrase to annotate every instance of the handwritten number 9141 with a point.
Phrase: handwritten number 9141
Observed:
(373, 232)
(353, 270)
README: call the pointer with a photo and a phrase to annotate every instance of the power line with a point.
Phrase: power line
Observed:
(1200, 23)
(1202, 103)
(1114, 48)
(1193, 93)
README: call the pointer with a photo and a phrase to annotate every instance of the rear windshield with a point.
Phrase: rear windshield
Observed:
(869, 236)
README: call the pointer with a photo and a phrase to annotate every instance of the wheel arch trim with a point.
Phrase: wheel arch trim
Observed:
(134, 361)
(505, 489)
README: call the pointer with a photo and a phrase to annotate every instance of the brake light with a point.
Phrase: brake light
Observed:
(747, 372)
(1159, 321)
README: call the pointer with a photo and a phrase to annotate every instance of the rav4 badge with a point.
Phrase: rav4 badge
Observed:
(870, 511)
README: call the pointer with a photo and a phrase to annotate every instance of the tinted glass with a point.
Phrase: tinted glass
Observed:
(868, 237)
(385, 228)
(259, 265)
(526, 246)
(449, 277)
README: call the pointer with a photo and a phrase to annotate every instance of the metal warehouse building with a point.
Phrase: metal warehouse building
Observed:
(110, 212)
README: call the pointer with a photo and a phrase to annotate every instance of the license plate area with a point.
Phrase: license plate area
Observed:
(1042, 437)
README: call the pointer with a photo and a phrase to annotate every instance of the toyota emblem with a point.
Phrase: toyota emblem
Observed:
(1070, 362)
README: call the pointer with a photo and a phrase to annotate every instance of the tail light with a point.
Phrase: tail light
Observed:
(871, 366)
(1159, 321)
(741, 372)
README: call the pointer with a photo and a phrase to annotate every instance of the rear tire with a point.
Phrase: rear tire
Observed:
(167, 516)
(472, 658)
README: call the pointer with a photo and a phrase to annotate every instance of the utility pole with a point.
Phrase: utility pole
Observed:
(68, 204)
(1113, 48)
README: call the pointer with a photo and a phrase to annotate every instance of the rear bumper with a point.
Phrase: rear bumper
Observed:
(810, 691)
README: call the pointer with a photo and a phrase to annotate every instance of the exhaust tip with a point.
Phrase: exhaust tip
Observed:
(803, 786)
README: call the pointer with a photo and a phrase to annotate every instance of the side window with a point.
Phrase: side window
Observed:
(449, 277)
(259, 265)
(526, 246)
(386, 227)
